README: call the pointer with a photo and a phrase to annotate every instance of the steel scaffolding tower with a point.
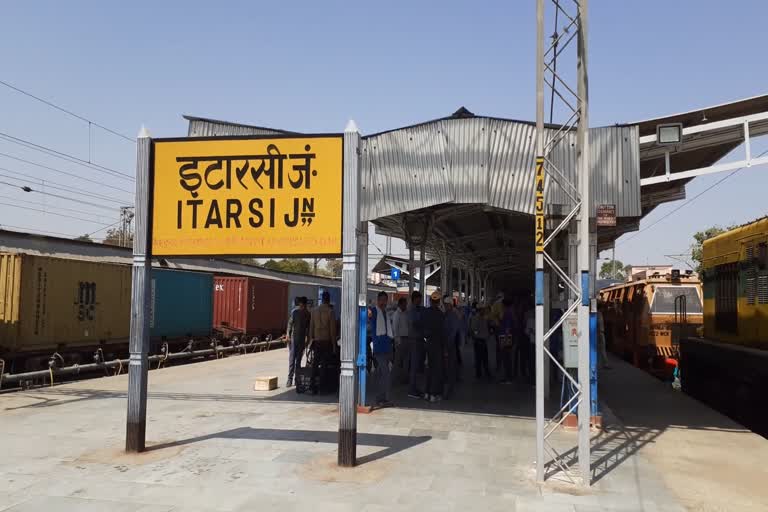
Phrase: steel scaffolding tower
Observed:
(572, 107)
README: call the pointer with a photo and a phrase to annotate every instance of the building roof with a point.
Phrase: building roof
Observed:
(467, 180)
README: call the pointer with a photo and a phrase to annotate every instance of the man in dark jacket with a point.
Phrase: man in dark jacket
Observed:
(417, 345)
(453, 327)
(298, 329)
(434, 325)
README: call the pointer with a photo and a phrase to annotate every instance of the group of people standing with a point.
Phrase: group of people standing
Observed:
(414, 340)
(423, 345)
(315, 332)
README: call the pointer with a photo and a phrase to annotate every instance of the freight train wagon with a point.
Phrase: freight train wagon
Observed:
(728, 367)
(74, 307)
(249, 306)
(645, 319)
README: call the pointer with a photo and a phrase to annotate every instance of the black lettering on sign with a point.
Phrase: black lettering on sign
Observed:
(304, 170)
(295, 220)
(271, 166)
(215, 166)
(307, 211)
(214, 215)
(266, 171)
(190, 179)
(234, 208)
(257, 218)
(194, 203)
(240, 173)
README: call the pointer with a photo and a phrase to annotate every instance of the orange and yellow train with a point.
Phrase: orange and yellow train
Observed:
(645, 319)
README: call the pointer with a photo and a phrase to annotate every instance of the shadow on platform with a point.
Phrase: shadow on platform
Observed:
(392, 444)
(643, 406)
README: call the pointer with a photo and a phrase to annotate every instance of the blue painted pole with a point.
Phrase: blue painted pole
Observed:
(362, 353)
(593, 406)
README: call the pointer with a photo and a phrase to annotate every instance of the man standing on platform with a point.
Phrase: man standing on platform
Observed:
(322, 335)
(434, 333)
(298, 329)
(382, 349)
(452, 338)
(400, 327)
(416, 343)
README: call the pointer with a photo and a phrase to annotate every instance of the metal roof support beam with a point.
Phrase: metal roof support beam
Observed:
(743, 123)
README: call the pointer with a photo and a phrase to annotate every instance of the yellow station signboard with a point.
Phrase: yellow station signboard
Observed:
(276, 196)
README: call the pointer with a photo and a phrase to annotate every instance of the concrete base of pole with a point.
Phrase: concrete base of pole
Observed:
(347, 448)
(134, 437)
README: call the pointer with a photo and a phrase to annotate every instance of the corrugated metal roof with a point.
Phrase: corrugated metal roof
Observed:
(205, 127)
(490, 161)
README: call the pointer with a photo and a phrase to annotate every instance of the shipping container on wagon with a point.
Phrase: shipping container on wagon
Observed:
(250, 305)
(182, 304)
(49, 304)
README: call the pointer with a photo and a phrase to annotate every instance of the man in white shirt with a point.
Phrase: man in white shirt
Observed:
(402, 352)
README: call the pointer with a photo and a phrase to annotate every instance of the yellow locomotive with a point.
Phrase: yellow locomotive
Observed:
(727, 368)
(735, 270)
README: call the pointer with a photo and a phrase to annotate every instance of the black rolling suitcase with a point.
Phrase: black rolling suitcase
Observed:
(327, 379)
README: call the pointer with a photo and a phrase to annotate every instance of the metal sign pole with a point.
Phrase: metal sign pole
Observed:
(582, 155)
(138, 364)
(350, 284)
(539, 278)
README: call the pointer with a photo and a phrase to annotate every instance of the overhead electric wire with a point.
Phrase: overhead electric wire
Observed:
(68, 112)
(70, 174)
(57, 214)
(58, 186)
(67, 157)
(689, 201)
(51, 207)
(103, 228)
(27, 189)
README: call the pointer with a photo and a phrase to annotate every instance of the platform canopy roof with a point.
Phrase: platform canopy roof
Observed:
(710, 133)
(466, 181)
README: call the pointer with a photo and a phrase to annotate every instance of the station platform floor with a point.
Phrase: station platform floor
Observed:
(217, 445)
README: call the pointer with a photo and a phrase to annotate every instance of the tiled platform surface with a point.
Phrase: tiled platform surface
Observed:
(217, 445)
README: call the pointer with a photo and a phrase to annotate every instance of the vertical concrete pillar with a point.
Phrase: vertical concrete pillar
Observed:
(355, 260)
(138, 342)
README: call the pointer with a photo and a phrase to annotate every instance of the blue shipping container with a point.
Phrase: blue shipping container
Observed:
(335, 294)
(182, 304)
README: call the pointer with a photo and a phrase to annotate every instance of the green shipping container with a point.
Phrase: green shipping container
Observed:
(182, 304)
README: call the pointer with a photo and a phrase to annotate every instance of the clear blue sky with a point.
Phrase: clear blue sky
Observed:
(310, 66)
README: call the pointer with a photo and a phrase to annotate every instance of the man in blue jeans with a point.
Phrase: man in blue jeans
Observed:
(381, 330)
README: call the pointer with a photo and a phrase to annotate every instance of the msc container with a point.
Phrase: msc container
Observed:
(250, 305)
(182, 304)
(49, 304)
(335, 294)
